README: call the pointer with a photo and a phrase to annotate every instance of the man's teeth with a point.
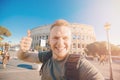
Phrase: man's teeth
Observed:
(60, 49)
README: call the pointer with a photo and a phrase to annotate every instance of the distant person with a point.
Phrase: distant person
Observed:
(102, 59)
(55, 67)
(5, 56)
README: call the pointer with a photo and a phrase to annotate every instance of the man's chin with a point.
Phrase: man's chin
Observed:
(62, 54)
(61, 57)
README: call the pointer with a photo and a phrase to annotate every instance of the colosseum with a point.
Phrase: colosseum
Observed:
(82, 35)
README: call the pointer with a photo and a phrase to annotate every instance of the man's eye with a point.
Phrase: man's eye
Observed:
(65, 38)
(55, 38)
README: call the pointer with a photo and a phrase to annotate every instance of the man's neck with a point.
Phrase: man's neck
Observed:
(58, 58)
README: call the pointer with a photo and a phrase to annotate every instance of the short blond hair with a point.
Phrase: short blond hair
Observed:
(60, 22)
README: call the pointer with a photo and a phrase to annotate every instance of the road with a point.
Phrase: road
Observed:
(20, 70)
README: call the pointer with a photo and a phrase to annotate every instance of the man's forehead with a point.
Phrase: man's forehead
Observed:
(61, 31)
(61, 28)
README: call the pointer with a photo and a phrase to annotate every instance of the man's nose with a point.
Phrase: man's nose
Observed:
(60, 42)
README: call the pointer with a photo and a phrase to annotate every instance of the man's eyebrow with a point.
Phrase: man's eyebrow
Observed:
(56, 37)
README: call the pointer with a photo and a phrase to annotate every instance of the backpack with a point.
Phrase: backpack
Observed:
(71, 65)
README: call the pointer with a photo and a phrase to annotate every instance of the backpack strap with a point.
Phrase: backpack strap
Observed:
(44, 59)
(71, 67)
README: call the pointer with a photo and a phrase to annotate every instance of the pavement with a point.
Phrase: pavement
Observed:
(20, 70)
(104, 69)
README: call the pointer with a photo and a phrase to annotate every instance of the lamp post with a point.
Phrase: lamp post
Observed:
(107, 28)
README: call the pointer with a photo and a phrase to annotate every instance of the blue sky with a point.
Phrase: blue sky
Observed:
(20, 15)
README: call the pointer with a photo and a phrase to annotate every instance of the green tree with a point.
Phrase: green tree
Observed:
(96, 49)
(100, 49)
(115, 50)
(90, 49)
(4, 32)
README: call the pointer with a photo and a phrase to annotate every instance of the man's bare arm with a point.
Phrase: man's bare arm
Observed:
(28, 56)
(24, 53)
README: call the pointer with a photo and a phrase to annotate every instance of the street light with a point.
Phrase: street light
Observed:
(107, 28)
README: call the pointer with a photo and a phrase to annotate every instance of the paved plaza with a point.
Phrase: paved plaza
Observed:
(20, 70)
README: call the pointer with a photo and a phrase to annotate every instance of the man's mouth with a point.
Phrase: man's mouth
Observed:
(60, 49)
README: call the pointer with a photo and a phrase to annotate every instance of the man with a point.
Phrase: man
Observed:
(60, 44)
(5, 56)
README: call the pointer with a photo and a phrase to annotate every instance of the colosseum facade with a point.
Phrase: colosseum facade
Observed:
(82, 35)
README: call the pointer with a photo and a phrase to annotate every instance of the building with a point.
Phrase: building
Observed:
(82, 35)
(39, 34)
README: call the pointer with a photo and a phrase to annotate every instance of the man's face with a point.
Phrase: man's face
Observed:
(60, 41)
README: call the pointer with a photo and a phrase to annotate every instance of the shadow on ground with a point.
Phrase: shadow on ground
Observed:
(27, 66)
(0, 62)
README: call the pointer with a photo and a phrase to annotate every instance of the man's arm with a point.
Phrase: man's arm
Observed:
(88, 71)
(28, 56)
(24, 53)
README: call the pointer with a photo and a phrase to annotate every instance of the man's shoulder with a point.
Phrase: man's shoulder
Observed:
(75, 57)
(44, 56)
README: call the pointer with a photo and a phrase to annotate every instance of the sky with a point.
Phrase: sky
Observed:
(20, 15)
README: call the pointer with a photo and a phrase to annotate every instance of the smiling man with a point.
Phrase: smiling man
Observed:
(55, 61)
(60, 40)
